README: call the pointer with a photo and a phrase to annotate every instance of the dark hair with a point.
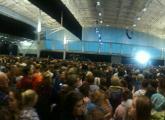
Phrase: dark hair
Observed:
(26, 70)
(123, 83)
(84, 89)
(150, 91)
(72, 79)
(70, 101)
(5, 113)
(145, 83)
(143, 108)
(126, 94)
(154, 84)
(161, 83)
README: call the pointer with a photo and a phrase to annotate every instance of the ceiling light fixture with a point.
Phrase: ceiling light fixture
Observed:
(145, 9)
(98, 3)
(138, 18)
(101, 21)
(100, 13)
(134, 25)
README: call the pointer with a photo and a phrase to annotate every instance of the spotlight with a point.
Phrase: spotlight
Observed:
(134, 25)
(100, 13)
(142, 57)
(145, 9)
(97, 30)
(138, 18)
(98, 3)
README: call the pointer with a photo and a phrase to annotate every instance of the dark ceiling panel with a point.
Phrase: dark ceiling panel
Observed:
(55, 8)
(16, 28)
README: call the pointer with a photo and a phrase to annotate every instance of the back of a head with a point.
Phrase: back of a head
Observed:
(70, 101)
(89, 77)
(5, 114)
(143, 108)
(126, 94)
(72, 70)
(115, 81)
(4, 82)
(29, 98)
(145, 83)
(72, 79)
(161, 84)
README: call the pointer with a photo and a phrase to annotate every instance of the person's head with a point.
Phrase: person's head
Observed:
(84, 89)
(5, 114)
(145, 84)
(126, 94)
(29, 98)
(37, 67)
(73, 80)
(14, 70)
(74, 104)
(141, 107)
(14, 101)
(62, 75)
(4, 82)
(154, 84)
(123, 83)
(98, 96)
(89, 77)
(150, 91)
(27, 70)
(115, 81)
(161, 84)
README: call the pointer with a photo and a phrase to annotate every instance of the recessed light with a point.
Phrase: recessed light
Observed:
(138, 18)
(101, 21)
(134, 25)
(145, 9)
(100, 13)
(97, 31)
(98, 3)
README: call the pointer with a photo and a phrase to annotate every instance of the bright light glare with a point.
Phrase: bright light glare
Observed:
(142, 57)
(26, 43)
(65, 41)
(39, 26)
(98, 3)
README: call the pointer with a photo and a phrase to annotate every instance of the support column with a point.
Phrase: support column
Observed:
(65, 41)
(38, 34)
(82, 46)
(65, 46)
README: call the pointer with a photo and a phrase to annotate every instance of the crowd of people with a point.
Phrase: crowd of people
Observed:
(51, 89)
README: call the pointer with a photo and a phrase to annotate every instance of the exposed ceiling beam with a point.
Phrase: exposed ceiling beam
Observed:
(7, 12)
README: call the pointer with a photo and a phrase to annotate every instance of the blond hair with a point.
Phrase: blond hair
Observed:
(29, 98)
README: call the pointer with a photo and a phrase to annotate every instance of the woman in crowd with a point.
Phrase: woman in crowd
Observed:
(29, 99)
(102, 109)
(73, 107)
(140, 109)
(158, 101)
(14, 103)
(121, 110)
